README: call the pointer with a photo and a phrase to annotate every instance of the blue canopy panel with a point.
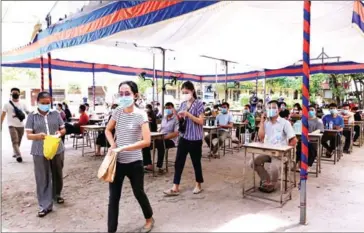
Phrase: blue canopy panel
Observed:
(112, 18)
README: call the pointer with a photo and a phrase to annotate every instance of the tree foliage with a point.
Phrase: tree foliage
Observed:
(18, 74)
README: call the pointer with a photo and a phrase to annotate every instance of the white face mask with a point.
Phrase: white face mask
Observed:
(186, 97)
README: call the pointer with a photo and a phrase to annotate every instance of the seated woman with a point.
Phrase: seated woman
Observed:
(76, 127)
(101, 139)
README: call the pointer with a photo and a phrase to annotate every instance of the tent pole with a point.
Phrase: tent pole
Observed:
(265, 88)
(41, 73)
(216, 92)
(154, 78)
(48, 19)
(163, 70)
(226, 74)
(93, 86)
(305, 104)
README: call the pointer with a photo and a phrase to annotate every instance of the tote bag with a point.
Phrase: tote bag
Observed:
(50, 146)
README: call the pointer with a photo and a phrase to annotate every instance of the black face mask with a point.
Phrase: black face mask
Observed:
(15, 96)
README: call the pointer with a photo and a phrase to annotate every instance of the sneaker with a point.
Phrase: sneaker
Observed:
(19, 159)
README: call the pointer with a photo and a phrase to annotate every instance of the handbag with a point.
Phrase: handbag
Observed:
(108, 167)
(18, 113)
(182, 122)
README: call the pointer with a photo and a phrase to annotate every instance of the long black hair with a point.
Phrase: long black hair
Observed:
(189, 86)
(133, 87)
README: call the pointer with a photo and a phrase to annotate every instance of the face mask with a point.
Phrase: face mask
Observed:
(125, 101)
(15, 96)
(333, 111)
(272, 112)
(167, 112)
(246, 111)
(223, 110)
(283, 107)
(259, 110)
(44, 107)
(186, 97)
(312, 114)
(345, 112)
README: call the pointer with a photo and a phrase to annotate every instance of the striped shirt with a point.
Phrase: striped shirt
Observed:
(48, 124)
(194, 132)
(128, 131)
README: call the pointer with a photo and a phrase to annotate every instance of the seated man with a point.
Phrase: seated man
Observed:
(224, 122)
(101, 138)
(283, 111)
(338, 124)
(75, 128)
(357, 117)
(314, 125)
(275, 131)
(348, 117)
(169, 126)
(249, 119)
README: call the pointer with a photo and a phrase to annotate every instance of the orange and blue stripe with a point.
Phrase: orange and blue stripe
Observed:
(290, 71)
(358, 15)
(108, 20)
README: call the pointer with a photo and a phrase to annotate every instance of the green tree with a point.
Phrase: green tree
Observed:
(17, 74)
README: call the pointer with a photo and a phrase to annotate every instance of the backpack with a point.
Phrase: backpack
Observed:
(18, 113)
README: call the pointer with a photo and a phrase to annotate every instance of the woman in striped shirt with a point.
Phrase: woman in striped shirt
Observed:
(191, 119)
(132, 134)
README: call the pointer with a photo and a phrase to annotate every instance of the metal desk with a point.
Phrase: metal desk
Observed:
(361, 137)
(236, 126)
(337, 155)
(278, 151)
(93, 129)
(210, 130)
(350, 128)
(315, 137)
(154, 136)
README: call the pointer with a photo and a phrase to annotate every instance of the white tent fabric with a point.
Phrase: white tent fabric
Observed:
(260, 34)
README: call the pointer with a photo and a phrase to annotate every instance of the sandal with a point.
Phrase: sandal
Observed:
(197, 190)
(171, 193)
(59, 200)
(148, 229)
(43, 213)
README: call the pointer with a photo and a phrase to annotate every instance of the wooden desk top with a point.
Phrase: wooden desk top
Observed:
(93, 127)
(266, 146)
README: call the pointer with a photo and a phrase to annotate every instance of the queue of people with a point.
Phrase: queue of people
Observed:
(129, 131)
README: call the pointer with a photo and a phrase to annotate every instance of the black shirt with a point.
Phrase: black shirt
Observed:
(357, 116)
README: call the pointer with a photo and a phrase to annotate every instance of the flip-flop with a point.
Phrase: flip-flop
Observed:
(197, 190)
(171, 193)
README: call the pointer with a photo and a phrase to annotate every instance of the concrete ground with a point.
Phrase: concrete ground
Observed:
(335, 198)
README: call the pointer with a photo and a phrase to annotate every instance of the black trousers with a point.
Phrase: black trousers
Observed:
(312, 153)
(147, 156)
(194, 148)
(330, 137)
(135, 172)
(357, 132)
(347, 135)
(71, 129)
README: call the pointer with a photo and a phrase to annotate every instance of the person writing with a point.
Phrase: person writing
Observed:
(224, 123)
(348, 117)
(337, 122)
(275, 131)
(132, 134)
(169, 126)
(76, 127)
(14, 110)
(315, 125)
(48, 173)
(191, 120)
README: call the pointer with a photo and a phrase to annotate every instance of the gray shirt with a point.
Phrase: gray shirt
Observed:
(48, 124)
(315, 124)
(170, 126)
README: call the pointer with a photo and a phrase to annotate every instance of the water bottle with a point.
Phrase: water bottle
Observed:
(331, 125)
(327, 125)
(247, 136)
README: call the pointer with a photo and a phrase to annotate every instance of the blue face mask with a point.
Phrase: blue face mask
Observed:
(125, 101)
(346, 112)
(272, 112)
(333, 111)
(167, 112)
(312, 114)
(223, 110)
(44, 107)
